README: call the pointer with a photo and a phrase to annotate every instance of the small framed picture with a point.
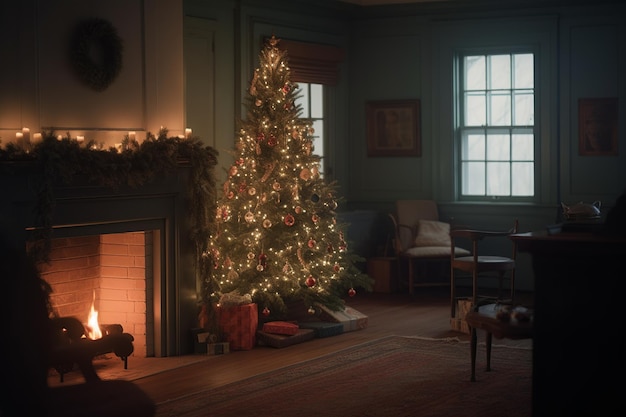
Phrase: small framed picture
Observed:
(393, 128)
(597, 126)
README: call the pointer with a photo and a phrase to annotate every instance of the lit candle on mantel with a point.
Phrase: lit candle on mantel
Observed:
(26, 133)
(37, 138)
(19, 139)
(80, 139)
(131, 135)
(187, 133)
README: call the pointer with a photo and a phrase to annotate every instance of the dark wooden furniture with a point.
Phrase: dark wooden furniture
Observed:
(479, 264)
(498, 324)
(579, 353)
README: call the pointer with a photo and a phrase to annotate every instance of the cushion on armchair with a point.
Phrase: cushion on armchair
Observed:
(432, 233)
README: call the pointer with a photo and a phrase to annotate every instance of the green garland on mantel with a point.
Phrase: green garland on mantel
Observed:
(54, 161)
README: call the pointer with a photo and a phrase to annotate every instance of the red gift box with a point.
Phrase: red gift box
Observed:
(280, 327)
(238, 325)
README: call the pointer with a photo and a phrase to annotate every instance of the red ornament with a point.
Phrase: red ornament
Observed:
(266, 312)
(272, 140)
(289, 220)
(351, 292)
(310, 281)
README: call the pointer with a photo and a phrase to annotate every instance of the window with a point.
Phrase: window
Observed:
(312, 101)
(315, 67)
(496, 109)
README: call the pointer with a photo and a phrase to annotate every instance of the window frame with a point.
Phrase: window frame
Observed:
(460, 129)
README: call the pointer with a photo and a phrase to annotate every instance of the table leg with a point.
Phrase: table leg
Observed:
(473, 343)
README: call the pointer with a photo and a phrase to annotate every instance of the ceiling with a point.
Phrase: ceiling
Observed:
(381, 2)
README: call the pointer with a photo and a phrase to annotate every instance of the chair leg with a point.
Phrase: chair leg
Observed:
(473, 344)
(474, 287)
(488, 343)
(452, 294)
(513, 287)
(411, 276)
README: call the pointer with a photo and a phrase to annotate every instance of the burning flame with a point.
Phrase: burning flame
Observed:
(92, 322)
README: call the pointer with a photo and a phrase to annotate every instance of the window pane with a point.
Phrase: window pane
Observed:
(473, 147)
(318, 140)
(524, 109)
(500, 75)
(303, 100)
(498, 178)
(498, 148)
(317, 101)
(524, 71)
(473, 182)
(522, 147)
(500, 110)
(475, 110)
(474, 73)
(523, 178)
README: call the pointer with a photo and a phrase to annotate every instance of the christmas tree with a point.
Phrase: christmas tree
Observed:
(277, 236)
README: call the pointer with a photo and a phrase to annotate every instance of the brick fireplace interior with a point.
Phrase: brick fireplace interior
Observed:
(111, 273)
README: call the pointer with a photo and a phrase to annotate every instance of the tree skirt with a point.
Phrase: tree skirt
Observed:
(393, 376)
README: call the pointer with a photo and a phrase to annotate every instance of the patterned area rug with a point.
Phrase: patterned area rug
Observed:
(393, 376)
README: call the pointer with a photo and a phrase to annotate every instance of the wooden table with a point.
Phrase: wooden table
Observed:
(579, 348)
(485, 318)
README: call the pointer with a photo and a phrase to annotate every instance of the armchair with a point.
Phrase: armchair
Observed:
(421, 240)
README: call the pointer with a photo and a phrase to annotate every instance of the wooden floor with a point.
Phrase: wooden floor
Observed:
(424, 314)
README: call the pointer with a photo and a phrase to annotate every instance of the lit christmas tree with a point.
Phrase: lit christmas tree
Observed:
(276, 233)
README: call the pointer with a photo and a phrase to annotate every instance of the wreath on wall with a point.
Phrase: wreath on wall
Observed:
(96, 53)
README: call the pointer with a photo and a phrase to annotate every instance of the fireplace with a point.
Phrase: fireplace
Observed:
(108, 276)
(152, 291)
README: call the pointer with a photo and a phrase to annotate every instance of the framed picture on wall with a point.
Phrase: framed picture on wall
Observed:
(597, 126)
(393, 128)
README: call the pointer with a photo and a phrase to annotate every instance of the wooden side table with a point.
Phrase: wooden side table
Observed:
(486, 318)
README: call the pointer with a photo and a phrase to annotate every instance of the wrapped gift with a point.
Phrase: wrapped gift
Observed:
(280, 327)
(348, 316)
(218, 348)
(282, 340)
(323, 328)
(238, 325)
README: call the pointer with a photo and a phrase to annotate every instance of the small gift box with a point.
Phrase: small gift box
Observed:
(218, 348)
(282, 340)
(323, 328)
(349, 317)
(280, 327)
